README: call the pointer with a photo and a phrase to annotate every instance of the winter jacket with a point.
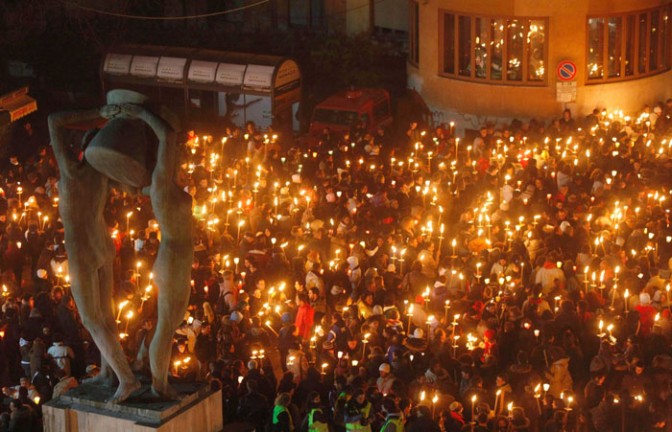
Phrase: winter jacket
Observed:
(547, 274)
(559, 377)
(304, 320)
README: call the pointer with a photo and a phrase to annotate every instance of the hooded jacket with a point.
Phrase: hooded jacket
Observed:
(559, 377)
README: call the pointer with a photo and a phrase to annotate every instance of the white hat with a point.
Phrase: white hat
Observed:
(418, 333)
(236, 316)
(377, 310)
(644, 298)
(41, 273)
(384, 367)
(353, 261)
(564, 225)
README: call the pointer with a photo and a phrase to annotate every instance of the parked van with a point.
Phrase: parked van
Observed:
(341, 111)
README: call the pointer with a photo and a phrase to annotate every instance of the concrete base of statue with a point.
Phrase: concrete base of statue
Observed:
(85, 409)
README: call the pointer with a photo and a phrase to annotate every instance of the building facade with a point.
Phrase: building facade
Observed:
(497, 60)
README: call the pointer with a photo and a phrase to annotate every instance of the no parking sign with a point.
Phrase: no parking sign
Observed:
(566, 71)
(565, 87)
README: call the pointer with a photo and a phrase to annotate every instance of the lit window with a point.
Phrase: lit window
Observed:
(628, 45)
(511, 50)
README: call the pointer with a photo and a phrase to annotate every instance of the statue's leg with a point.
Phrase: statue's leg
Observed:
(86, 291)
(141, 361)
(172, 268)
(171, 273)
(106, 375)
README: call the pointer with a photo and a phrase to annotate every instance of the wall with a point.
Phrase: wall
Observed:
(566, 41)
(357, 19)
(388, 16)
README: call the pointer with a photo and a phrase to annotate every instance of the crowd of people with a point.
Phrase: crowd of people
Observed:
(512, 279)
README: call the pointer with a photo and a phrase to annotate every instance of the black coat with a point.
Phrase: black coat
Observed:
(254, 408)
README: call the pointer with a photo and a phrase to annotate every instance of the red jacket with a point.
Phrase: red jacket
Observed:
(647, 315)
(304, 320)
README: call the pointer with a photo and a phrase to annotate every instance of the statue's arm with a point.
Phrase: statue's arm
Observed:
(160, 127)
(57, 125)
(167, 156)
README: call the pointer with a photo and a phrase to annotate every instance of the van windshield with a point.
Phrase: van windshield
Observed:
(338, 117)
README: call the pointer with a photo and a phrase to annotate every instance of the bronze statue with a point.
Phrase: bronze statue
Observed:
(83, 192)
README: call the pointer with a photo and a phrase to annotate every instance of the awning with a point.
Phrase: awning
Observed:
(20, 107)
(118, 64)
(219, 71)
(229, 74)
(16, 105)
(259, 77)
(171, 68)
(144, 66)
(202, 71)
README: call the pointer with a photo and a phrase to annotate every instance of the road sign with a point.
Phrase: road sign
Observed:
(565, 92)
(566, 70)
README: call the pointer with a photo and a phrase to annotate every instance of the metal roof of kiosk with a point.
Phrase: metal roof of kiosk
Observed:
(200, 69)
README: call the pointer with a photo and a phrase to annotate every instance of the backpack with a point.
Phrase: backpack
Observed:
(222, 305)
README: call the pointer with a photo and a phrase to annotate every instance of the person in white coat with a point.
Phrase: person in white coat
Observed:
(61, 354)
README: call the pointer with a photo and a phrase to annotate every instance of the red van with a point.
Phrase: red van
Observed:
(343, 110)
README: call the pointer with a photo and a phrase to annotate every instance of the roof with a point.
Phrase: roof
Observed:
(177, 65)
(15, 105)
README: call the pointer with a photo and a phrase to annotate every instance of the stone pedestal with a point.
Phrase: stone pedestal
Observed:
(84, 409)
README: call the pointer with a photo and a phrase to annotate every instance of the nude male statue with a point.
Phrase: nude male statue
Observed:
(83, 193)
(172, 268)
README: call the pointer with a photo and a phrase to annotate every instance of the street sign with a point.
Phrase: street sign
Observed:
(565, 92)
(566, 71)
